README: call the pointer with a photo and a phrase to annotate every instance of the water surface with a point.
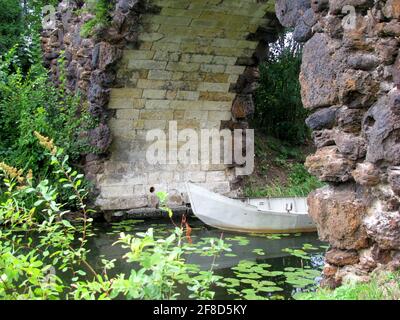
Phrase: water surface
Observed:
(259, 266)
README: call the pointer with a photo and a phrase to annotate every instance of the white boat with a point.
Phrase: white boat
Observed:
(269, 215)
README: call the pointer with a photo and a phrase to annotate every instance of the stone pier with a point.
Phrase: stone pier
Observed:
(193, 59)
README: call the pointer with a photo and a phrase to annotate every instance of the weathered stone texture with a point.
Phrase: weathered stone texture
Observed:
(350, 80)
(339, 215)
(195, 65)
(194, 62)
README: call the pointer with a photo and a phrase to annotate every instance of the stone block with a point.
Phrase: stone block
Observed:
(187, 95)
(174, 12)
(216, 77)
(220, 115)
(233, 78)
(116, 191)
(131, 55)
(171, 94)
(167, 56)
(120, 103)
(155, 124)
(138, 103)
(122, 203)
(174, 21)
(197, 58)
(186, 105)
(213, 87)
(127, 114)
(235, 69)
(224, 60)
(216, 106)
(179, 114)
(151, 84)
(215, 176)
(203, 23)
(195, 176)
(138, 124)
(154, 94)
(216, 96)
(225, 43)
(139, 190)
(188, 124)
(160, 75)
(125, 93)
(212, 68)
(157, 104)
(150, 36)
(199, 115)
(147, 64)
(145, 45)
(164, 46)
(119, 125)
(156, 115)
(183, 66)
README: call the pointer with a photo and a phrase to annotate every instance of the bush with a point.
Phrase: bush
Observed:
(299, 184)
(101, 10)
(279, 109)
(11, 24)
(31, 265)
(31, 103)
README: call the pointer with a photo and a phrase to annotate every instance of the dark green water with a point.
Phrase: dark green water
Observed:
(278, 272)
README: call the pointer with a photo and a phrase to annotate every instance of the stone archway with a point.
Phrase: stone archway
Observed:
(195, 63)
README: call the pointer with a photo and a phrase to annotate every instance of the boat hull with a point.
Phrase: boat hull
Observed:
(233, 215)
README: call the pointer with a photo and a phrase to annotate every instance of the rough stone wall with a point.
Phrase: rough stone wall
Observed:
(193, 61)
(91, 63)
(196, 64)
(350, 80)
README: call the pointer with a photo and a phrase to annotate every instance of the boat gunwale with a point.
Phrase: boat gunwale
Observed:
(220, 198)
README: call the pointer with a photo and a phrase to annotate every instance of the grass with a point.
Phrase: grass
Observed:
(300, 183)
(382, 286)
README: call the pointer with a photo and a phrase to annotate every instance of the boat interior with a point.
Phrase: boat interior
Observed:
(286, 205)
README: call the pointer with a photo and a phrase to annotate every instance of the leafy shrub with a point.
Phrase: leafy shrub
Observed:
(101, 10)
(279, 110)
(28, 103)
(30, 267)
(11, 24)
(300, 183)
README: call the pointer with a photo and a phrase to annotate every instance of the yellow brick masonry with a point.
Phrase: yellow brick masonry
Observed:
(182, 70)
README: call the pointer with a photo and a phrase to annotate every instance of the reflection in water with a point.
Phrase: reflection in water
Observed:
(268, 251)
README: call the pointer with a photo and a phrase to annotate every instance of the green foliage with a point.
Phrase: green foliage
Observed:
(101, 10)
(283, 150)
(20, 26)
(279, 110)
(385, 286)
(28, 103)
(26, 207)
(300, 183)
(163, 197)
(11, 24)
(30, 267)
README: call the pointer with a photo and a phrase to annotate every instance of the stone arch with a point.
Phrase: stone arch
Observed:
(195, 62)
